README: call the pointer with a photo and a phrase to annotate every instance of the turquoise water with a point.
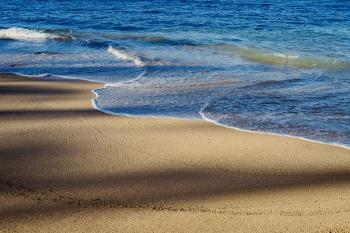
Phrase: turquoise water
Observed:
(266, 66)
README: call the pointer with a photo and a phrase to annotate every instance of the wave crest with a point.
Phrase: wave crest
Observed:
(27, 34)
(138, 60)
(126, 56)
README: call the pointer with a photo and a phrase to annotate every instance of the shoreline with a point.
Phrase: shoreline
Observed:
(67, 167)
(203, 118)
(213, 122)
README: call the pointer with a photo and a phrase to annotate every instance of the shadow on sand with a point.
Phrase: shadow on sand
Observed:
(142, 189)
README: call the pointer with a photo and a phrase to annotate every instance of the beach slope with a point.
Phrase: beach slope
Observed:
(65, 167)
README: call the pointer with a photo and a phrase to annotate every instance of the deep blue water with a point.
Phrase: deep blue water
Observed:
(262, 65)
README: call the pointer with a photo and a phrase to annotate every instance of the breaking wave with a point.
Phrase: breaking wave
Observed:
(247, 53)
(126, 56)
(27, 34)
(133, 57)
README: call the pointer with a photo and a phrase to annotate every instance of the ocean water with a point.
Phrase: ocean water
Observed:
(262, 65)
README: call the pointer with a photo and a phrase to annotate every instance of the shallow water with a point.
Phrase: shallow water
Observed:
(266, 66)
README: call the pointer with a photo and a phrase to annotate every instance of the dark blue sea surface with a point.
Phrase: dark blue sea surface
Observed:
(264, 65)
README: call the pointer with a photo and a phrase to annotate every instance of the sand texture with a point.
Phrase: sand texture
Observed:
(65, 167)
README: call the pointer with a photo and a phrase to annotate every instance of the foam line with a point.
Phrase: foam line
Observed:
(268, 133)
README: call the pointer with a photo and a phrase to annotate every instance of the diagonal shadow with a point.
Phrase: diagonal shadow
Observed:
(151, 189)
(48, 114)
(29, 90)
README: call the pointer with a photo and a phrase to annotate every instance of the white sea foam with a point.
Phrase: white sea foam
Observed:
(26, 34)
(126, 56)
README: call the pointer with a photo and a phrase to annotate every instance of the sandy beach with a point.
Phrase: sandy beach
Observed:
(66, 167)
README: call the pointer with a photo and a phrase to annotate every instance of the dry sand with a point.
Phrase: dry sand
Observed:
(65, 167)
